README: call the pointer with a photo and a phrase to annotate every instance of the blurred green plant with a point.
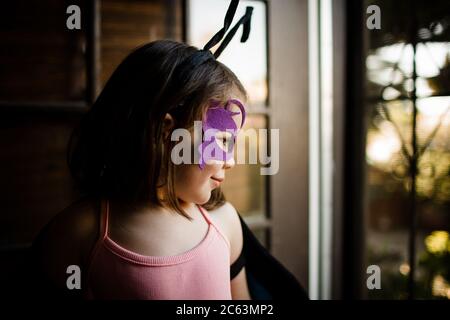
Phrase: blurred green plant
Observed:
(435, 261)
(433, 281)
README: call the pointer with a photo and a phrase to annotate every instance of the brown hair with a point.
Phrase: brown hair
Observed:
(117, 151)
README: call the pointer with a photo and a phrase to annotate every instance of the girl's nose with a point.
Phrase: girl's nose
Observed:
(228, 164)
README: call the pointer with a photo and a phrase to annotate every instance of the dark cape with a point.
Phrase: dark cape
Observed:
(267, 278)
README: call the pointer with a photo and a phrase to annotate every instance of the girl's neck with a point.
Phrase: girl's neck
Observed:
(150, 208)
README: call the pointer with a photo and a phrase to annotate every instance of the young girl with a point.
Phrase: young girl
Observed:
(147, 228)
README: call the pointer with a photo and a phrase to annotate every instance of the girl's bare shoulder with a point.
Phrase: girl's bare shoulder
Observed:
(227, 218)
(226, 215)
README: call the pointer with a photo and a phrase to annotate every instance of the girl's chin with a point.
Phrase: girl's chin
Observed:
(203, 197)
(204, 193)
(206, 198)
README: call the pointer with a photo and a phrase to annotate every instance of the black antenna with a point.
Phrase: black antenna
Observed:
(245, 20)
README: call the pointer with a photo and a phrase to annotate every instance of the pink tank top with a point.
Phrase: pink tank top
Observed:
(201, 273)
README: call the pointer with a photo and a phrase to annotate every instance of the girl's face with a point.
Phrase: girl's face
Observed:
(193, 184)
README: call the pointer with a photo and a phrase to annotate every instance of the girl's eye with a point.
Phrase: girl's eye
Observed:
(224, 142)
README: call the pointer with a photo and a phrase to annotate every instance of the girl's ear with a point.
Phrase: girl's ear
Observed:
(168, 125)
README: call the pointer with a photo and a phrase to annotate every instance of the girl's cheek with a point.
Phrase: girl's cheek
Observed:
(216, 168)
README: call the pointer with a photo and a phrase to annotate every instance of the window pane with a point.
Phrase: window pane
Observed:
(42, 61)
(389, 149)
(244, 185)
(247, 60)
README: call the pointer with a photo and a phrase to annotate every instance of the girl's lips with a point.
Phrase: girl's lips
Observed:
(219, 180)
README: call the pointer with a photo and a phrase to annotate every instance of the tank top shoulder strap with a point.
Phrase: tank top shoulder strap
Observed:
(205, 215)
(104, 219)
(102, 233)
(211, 222)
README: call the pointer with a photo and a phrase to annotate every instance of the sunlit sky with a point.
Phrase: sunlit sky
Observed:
(429, 59)
(384, 143)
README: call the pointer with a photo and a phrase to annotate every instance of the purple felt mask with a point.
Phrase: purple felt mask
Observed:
(219, 119)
